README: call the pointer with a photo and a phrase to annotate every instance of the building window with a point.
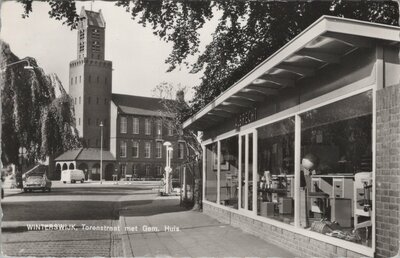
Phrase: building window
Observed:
(123, 170)
(275, 158)
(123, 124)
(135, 149)
(135, 125)
(135, 170)
(159, 127)
(147, 170)
(336, 140)
(147, 150)
(159, 171)
(158, 149)
(147, 126)
(122, 149)
(170, 129)
(211, 173)
(181, 150)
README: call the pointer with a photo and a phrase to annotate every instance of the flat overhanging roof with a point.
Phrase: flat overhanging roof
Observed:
(324, 42)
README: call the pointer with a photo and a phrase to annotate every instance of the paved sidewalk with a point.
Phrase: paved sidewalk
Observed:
(162, 228)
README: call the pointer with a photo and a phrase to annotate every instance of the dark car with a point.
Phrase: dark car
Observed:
(36, 182)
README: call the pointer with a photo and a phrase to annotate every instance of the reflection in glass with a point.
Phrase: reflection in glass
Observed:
(275, 174)
(211, 173)
(229, 172)
(336, 150)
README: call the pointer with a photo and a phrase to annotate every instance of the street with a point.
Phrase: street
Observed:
(74, 205)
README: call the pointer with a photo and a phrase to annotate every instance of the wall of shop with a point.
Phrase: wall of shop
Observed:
(387, 170)
(301, 245)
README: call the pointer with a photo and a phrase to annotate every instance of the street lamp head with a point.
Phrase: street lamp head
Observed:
(167, 144)
(101, 124)
(28, 67)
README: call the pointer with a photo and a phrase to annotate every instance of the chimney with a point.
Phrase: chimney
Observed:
(180, 96)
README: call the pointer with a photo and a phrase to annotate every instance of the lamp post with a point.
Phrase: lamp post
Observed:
(101, 152)
(167, 166)
(22, 155)
(26, 67)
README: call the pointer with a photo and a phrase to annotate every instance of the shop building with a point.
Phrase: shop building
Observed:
(303, 151)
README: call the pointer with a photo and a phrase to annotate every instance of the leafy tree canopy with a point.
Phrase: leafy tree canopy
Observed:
(33, 116)
(247, 32)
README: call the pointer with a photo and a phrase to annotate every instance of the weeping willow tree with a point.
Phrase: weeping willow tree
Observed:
(36, 114)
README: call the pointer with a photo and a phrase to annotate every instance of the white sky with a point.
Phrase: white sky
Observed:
(137, 55)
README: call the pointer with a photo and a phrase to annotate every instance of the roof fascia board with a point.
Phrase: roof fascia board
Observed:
(364, 29)
(322, 25)
(316, 29)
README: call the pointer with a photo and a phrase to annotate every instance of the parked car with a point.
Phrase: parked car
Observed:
(36, 182)
(72, 176)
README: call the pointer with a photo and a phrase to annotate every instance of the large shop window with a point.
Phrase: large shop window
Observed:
(211, 172)
(275, 179)
(336, 176)
(229, 167)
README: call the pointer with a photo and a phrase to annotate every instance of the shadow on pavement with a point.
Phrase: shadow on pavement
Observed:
(63, 210)
(159, 206)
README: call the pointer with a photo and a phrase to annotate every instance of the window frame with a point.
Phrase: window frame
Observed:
(296, 111)
(122, 149)
(123, 124)
(135, 125)
(147, 150)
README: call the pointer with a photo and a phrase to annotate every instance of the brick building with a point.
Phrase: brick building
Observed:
(134, 128)
(305, 153)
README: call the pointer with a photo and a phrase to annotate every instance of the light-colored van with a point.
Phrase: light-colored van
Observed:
(72, 176)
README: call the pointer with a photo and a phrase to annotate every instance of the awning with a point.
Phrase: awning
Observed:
(324, 42)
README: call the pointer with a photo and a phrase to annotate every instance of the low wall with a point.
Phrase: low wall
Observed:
(301, 245)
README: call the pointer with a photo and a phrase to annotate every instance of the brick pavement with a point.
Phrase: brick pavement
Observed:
(199, 235)
(17, 241)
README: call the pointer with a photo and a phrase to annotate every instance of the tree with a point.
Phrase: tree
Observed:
(174, 113)
(32, 115)
(247, 32)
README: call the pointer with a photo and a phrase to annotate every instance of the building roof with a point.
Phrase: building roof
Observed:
(93, 18)
(138, 105)
(324, 42)
(85, 154)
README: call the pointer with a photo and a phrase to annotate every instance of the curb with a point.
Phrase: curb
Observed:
(126, 243)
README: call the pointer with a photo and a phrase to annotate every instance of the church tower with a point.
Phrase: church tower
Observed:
(90, 79)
